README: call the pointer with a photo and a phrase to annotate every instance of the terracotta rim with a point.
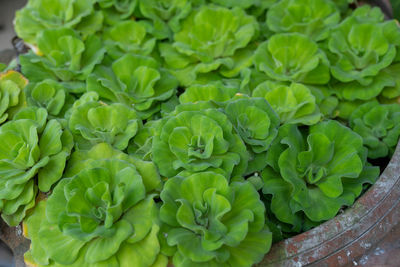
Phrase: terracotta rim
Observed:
(349, 235)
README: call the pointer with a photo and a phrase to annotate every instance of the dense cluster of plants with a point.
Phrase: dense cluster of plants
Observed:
(193, 131)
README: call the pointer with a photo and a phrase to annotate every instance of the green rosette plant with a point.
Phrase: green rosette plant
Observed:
(379, 126)
(33, 153)
(136, 81)
(65, 56)
(257, 124)
(39, 15)
(359, 49)
(316, 175)
(100, 213)
(212, 222)
(292, 57)
(213, 91)
(12, 85)
(92, 122)
(117, 10)
(165, 15)
(256, 8)
(141, 145)
(128, 37)
(212, 39)
(49, 94)
(198, 137)
(313, 18)
(294, 103)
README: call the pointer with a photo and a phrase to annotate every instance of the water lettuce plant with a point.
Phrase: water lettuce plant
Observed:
(379, 126)
(293, 104)
(12, 86)
(33, 154)
(39, 15)
(48, 94)
(134, 80)
(100, 213)
(191, 132)
(315, 174)
(215, 91)
(128, 37)
(94, 122)
(257, 124)
(165, 15)
(116, 10)
(212, 222)
(212, 38)
(313, 18)
(198, 137)
(65, 55)
(292, 57)
(362, 48)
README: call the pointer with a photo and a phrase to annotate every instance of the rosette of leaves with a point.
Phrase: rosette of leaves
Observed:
(141, 145)
(117, 10)
(165, 15)
(12, 97)
(212, 222)
(316, 175)
(198, 137)
(256, 8)
(257, 124)
(379, 126)
(313, 18)
(128, 37)
(212, 39)
(326, 99)
(49, 94)
(136, 81)
(359, 49)
(292, 57)
(39, 15)
(293, 103)
(92, 122)
(100, 213)
(215, 91)
(65, 56)
(31, 150)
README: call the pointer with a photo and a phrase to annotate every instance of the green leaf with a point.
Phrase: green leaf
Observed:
(102, 248)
